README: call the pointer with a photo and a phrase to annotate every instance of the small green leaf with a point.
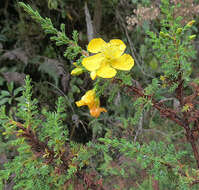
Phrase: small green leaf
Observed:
(16, 91)
(153, 64)
(4, 93)
(10, 87)
(3, 101)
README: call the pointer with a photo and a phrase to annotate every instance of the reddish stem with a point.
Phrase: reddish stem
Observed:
(171, 114)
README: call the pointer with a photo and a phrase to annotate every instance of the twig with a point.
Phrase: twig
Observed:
(61, 93)
(89, 25)
(170, 114)
(97, 17)
(132, 49)
(139, 128)
(156, 131)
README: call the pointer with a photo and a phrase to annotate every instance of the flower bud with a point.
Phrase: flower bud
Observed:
(75, 64)
(77, 71)
(168, 36)
(162, 78)
(179, 30)
(190, 23)
(192, 37)
(162, 34)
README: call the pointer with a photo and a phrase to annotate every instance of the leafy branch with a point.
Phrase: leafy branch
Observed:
(59, 36)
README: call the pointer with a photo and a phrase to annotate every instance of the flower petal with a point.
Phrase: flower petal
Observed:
(92, 63)
(95, 111)
(119, 43)
(93, 75)
(89, 97)
(80, 103)
(95, 45)
(106, 71)
(125, 62)
(114, 49)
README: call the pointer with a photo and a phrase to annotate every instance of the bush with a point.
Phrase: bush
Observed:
(145, 136)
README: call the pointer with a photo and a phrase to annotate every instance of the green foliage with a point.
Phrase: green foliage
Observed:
(10, 95)
(154, 154)
(27, 166)
(173, 47)
(58, 36)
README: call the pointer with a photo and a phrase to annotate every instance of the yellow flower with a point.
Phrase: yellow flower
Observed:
(110, 56)
(90, 100)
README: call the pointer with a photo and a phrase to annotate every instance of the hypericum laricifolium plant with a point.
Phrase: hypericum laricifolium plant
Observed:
(48, 158)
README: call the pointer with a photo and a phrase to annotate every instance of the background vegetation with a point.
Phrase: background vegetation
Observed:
(47, 142)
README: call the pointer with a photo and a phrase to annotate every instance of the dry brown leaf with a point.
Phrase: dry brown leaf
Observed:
(15, 77)
(16, 54)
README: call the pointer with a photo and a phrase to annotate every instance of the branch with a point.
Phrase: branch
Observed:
(97, 16)
(89, 25)
(164, 111)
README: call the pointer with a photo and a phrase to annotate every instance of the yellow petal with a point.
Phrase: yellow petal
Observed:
(119, 43)
(92, 63)
(80, 103)
(97, 102)
(89, 97)
(95, 111)
(106, 71)
(125, 62)
(96, 45)
(93, 75)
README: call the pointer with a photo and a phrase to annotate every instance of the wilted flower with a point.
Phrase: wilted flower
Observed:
(90, 100)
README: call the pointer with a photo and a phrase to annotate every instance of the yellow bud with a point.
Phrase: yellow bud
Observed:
(77, 71)
(189, 24)
(185, 108)
(20, 132)
(162, 34)
(192, 37)
(75, 64)
(168, 36)
(162, 78)
(179, 30)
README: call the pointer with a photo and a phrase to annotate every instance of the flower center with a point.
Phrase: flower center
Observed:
(111, 52)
